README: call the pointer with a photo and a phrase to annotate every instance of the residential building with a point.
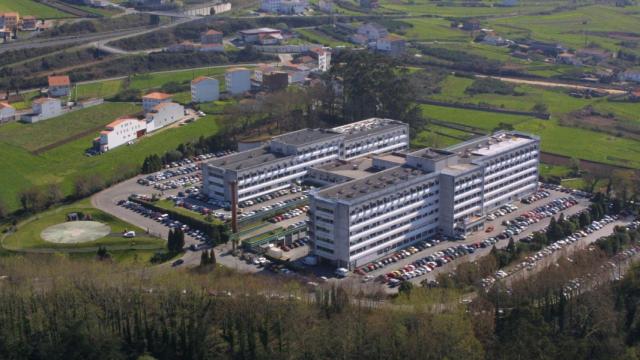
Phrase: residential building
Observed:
(254, 36)
(387, 202)
(7, 112)
(324, 58)
(238, 80)
(59, 86)
(471, 25)
(372, 31)
(262, 69)
(326, 6)
(150, 100)
(183, 46)
(120, 132)
(568, 59)
(288, 157)
(369, 4)
(630, 75)
(211, 37)
(29, 23)
(359, 39)
(205, 89)
(284, 6)
(10, 20)
(212, 47)
(392, 45)
(163, 114)
(42, 109)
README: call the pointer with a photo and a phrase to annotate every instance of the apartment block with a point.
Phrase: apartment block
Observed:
(371, 206)
(288, 158)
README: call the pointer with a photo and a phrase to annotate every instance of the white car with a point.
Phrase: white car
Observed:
(129, 234)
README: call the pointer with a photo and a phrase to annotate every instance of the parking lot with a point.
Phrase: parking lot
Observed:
(452, 252)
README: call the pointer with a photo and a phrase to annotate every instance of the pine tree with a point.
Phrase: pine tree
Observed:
(204, 258)
(212, 257)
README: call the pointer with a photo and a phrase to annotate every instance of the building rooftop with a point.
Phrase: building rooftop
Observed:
(237, 69)
(367, 127)
(157, 96)
(356, 169)
(119, 121)
(305, 136)
(458, 169)
(491, 145)
(212, 32)
(247, 159)
(258, 31)
(201, 78)
(373, 183)
(61, 80)
(432, 154)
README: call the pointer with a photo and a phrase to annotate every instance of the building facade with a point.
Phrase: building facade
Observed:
(288, 158)
(238, 80)
(7, 112)
(405, 198)
(205, 89)
(163, 114)
(150, 100)
(284, 6)
(211, 37)
(120, 132)
(42, 109)
(59, 86)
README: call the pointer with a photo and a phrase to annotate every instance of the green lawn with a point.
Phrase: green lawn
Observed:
(454, 8)
(554, 170)
(584, 144)
(434, 29)
(28, 234)
(568, 27)
(26, 103)
(66, 163)
(100, 89)
(476, 119)
(34, 136)
(318, 37)
(156, 80)
(32, 7)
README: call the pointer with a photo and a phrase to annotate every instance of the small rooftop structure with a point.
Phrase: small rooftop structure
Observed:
(366, 127)
(59, 80)
(305, 136)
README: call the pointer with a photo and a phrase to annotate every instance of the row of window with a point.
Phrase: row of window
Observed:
(381, 224)
(393, 201)
(407, 241)
(506, 185)
(388, 239)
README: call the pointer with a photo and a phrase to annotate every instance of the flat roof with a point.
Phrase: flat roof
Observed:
(432, 154)
(305, 136)
(458, 169)
(356, 169)
(493, 144)
(373, 183)
(367, 127)
(246, 159)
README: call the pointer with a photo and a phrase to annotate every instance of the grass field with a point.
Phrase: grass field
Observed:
(317, 37)
(34, 136)
(472, 118)
(28, 234)
(569, 27)
(434, 29)
(454, 8)
(100, 89)
(66, 163)
(33, 8)
(156, 80)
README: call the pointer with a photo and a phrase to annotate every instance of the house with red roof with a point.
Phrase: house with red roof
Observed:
(150, 100)
(59, 86)
(7, 112)
(121, 131)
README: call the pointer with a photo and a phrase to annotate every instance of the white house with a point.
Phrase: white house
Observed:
(284, 6)
(373, 31)
(391, 44)
(120, 132)
(324, 58)
(205, 89)
(630, 75)
(59, 86)
(149, 101)
(238, 80)
(163, 114)
(43, 108)
(7, 112)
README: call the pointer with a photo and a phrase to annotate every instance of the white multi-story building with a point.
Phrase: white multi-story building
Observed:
(238, 80)
(284, 6)
(369, 211)
(204, 89)
(288, 158)
(7, 112)
(120, 132)
(163, 114)
(150, 100)
(42, 109)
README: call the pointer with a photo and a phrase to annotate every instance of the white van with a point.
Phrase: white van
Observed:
(342, 272)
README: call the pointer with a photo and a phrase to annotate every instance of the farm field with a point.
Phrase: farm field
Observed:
(64, 164)
(320, 38)
(100, 89)
(31, 137)
(454, 8)
(434, 29)
(32, 7)
(590, 24)
(472, 118)
(29, 237)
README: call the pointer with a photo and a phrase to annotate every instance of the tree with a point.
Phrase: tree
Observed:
(540, 108)
(204, 258)
(32, 199)
(584, 219)
(405, 288)
(53, 194)
(103, 253)
(175, 242)
(212, 257)
(152, 163)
